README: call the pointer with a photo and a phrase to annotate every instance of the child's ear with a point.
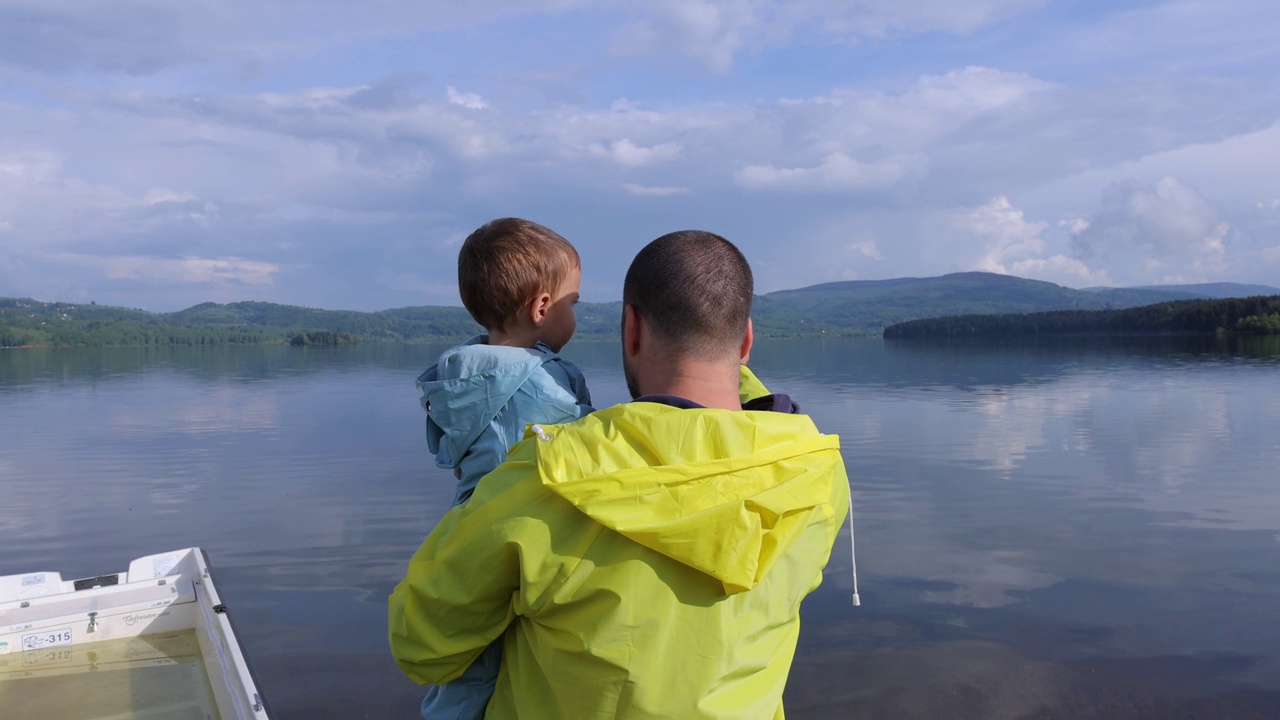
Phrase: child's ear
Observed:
(539, 307)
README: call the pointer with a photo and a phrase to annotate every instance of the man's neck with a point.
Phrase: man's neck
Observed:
(709, 385)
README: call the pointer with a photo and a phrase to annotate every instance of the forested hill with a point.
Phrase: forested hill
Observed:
(868, 306)
(31, 322)
(862, 307)
(1214, 290)
(1236, 315)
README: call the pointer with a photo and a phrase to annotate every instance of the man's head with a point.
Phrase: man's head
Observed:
(508, 263)
(691, 292)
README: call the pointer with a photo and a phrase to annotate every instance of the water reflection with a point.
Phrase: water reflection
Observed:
(1074, 503)
(1046, 528)
(244, 364)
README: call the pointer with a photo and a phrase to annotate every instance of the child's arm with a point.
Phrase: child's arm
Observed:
(545, 397)
(484, 455)
(578, 385)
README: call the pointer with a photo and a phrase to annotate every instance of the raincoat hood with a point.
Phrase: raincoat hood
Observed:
(725, 493)
(469, 387)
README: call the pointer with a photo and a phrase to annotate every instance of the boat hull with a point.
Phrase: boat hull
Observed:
(160, 629)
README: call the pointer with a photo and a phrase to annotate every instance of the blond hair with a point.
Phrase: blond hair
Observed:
(505, 263)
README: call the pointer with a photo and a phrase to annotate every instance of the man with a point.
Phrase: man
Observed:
(648, 560)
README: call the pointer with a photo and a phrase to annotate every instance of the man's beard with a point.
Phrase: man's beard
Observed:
(632, 386)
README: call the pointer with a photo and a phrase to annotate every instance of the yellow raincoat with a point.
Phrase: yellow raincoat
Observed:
(649, 562)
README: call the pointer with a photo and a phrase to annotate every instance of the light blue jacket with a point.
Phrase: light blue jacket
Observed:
(480, 397)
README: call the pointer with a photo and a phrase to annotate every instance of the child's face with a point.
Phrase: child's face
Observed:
(561, 320)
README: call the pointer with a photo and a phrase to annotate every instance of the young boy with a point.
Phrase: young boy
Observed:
(519, 280)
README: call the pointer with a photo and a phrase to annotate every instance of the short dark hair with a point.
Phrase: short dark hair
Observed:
(506, 262)
(694, 289)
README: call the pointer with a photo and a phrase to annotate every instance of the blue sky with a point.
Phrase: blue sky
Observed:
(334, 154)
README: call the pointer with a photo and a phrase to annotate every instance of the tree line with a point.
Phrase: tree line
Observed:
(115, 333)
(1260, 314)
(30, 322)
(323, 337)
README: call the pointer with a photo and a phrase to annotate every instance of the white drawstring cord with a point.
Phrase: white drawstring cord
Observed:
(853, 555)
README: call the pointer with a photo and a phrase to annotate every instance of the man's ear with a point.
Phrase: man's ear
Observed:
(747, 341)
(538, 308)
(630, 331)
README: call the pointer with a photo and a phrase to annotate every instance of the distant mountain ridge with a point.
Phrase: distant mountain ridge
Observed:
(868, 306)
(1219, 291)
(1252, 315)
(854, 307)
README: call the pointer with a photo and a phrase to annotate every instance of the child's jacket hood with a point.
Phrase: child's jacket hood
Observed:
(473, 382)
(725, 493)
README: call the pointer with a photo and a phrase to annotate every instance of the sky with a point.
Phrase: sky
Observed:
(335, 154)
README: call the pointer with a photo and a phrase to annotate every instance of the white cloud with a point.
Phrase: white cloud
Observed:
(1013, 245)
(710, 32)
(151, 37)
(1006, 233)
(1179, 37)
(1000, 220)
(913, 116)
(179, 270)
(339, 153)
(249, 176)
(645, 190)
(1166, 229)
(630, 154)
(1074, 226)
(714, 32)
(867, 248)
(1160, 233)
(975, 89)
(325, 146)
(27, 164)
(1169, 215)
(1060, 269)
(148, 37)
(467, 100)
(1232, 162)
(838, 172)
(165, 195)
(54, 36)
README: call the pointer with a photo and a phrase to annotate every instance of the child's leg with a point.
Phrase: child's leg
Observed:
(466, 697)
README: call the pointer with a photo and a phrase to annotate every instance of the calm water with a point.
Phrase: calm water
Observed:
(1067, 530)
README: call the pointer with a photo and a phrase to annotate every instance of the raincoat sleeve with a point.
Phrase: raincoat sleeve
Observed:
(476, 571)
(749, 386)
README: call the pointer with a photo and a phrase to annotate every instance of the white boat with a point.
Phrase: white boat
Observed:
(153, 642)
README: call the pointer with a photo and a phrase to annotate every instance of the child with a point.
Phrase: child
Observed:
(519, 280)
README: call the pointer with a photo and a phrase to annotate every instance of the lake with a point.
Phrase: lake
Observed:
(1077, 528)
